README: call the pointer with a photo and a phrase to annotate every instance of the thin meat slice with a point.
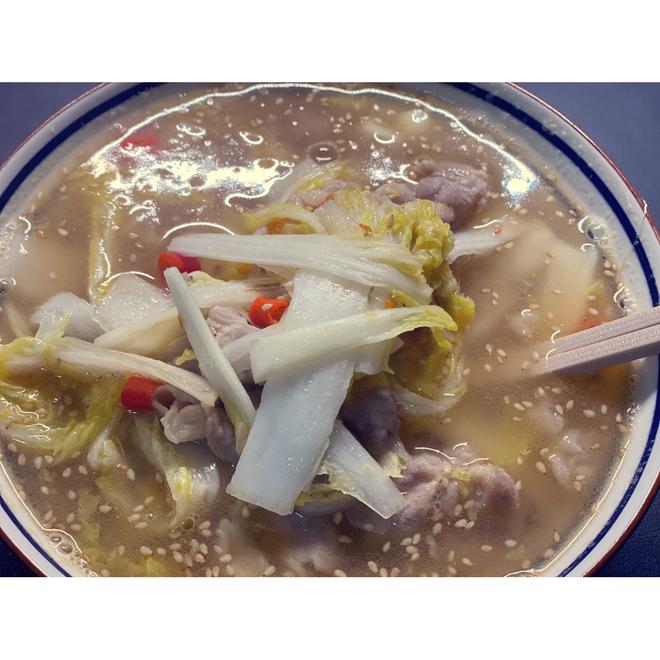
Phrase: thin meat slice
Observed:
(228, 324)
(434, 484)
(457, 190)
(373, 418)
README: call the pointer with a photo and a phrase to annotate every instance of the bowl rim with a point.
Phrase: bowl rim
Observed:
(655, 485)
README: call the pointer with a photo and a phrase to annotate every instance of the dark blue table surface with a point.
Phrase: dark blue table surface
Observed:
(624, 119)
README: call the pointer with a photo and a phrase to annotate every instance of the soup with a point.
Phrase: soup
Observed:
(300, 330)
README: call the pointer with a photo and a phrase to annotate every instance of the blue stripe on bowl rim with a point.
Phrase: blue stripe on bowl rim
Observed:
(485, 96)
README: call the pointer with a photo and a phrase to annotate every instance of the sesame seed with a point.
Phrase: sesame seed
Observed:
(270, 570)
(548, 553)
(487, 367)
(45, 490)
(510, 543)
(344, 539)
(596, 445)
(451, 570)
(528, 404)
(519, 406)
(66, 472)
(161, 551)
(130, 474)
(245, 511)
(414, 557)
(466, 561)
(411, 549)
(145, 550)
(416, 538)
(525, 365)
(37, 461)
(373, 567)
(230, 570)
(569, 404)
(339, 573)
(559, 409)
(82, 469)
(450, 556)
(337, 517)
(526, 564)
(556, 536)
(395, 571)
(486, 548)
(204, 525)
(437, 528)
(70, 518)
(460, 523)
(177, 556)
(386, 547)
(71, 495)
(199, 558)
(540, 466)
(577, 486)
(133, 518)
(141, 525)
(589, 414)
(382, 572)
(593, 311)
(406, 541)
(225, 559)
(603, 409)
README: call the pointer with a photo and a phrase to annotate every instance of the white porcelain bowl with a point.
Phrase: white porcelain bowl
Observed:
(557, 143)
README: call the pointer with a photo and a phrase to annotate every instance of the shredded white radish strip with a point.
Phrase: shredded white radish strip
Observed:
(212, 362)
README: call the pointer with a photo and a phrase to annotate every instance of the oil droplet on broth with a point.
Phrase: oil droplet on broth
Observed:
(323, 152)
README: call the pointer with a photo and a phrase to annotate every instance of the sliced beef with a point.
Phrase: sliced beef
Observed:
(228, 324)
(372, 417)
(433, 484)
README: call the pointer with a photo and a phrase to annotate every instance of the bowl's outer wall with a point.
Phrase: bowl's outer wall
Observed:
(620, 118)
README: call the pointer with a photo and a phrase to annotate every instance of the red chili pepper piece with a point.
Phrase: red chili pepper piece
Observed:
(267, 311)
(144, 139)
(179, 261)
(138, 393)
